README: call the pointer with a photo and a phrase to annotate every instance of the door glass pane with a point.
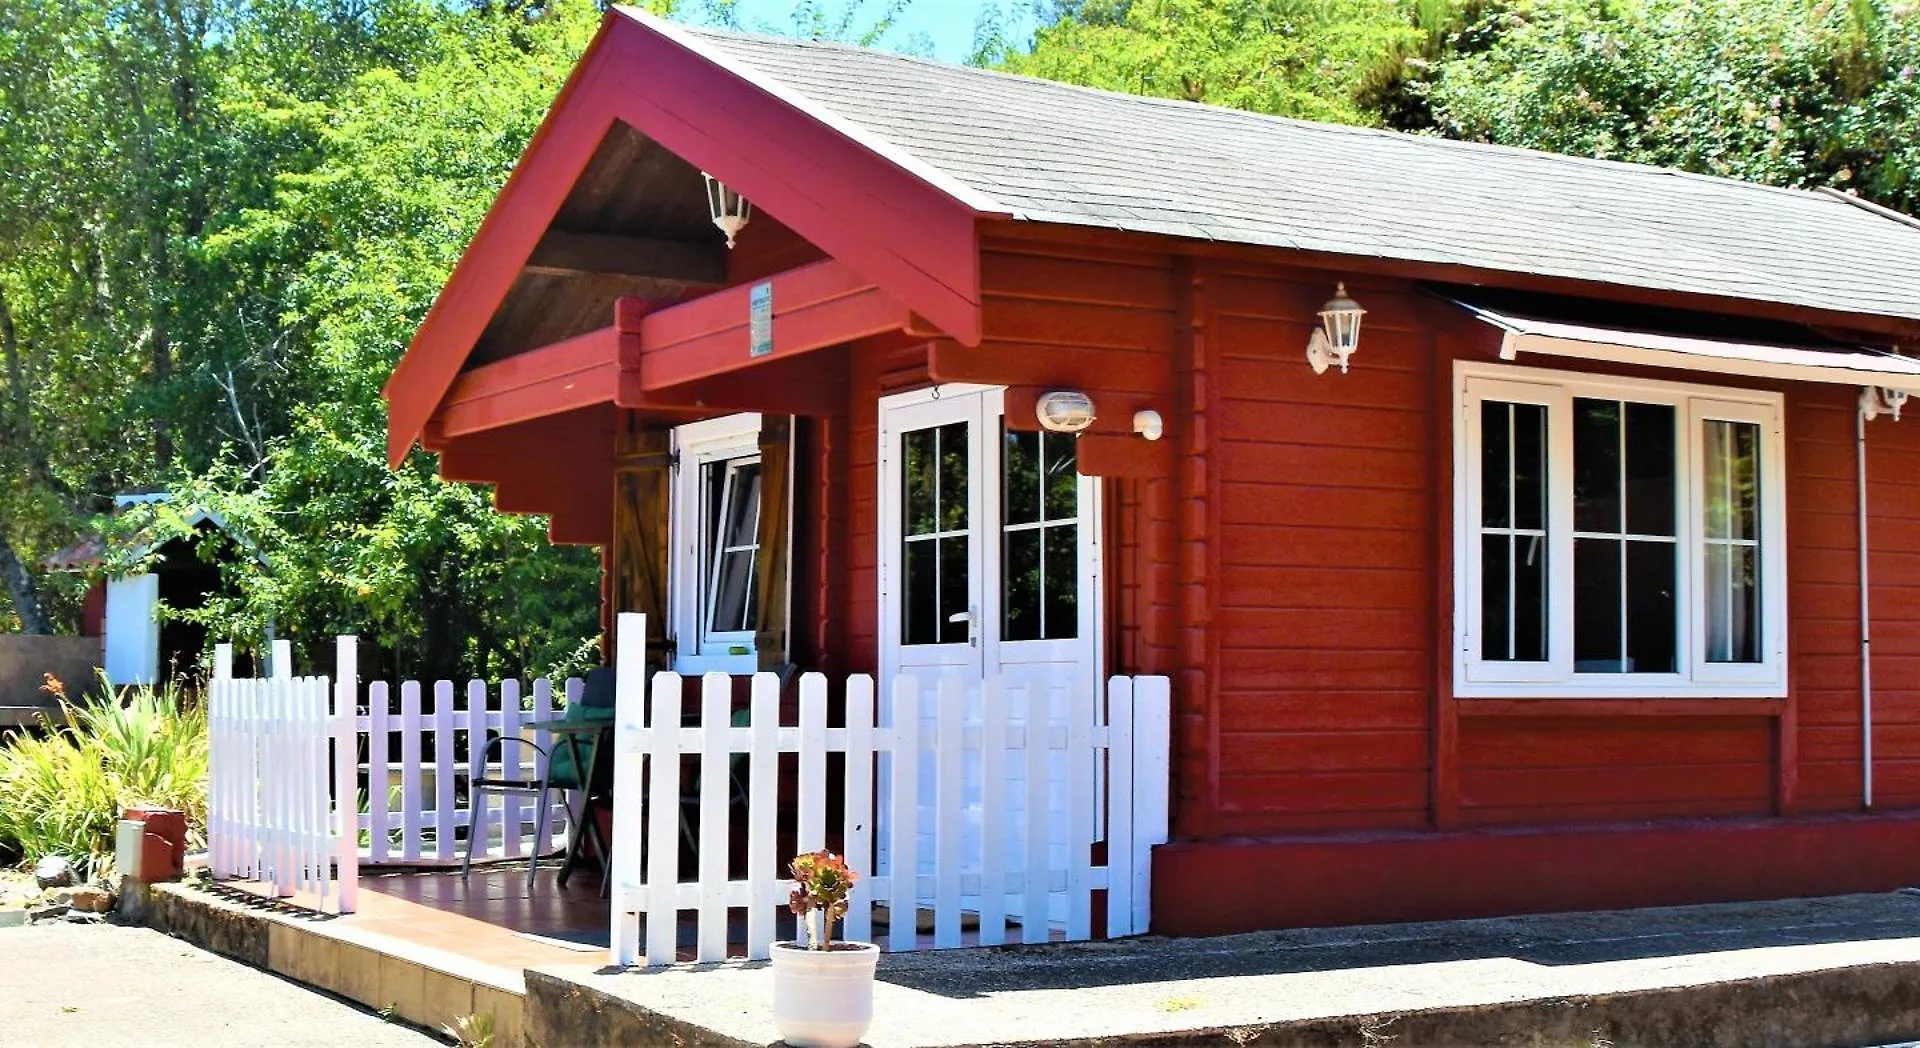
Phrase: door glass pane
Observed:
(953, 589)
(1063, 582)
(1020, 608)
(921, 594)
(918, 458)
(1062, 476)
(934, 516)
(1020, 465)
(1039, 550)
(953, 476)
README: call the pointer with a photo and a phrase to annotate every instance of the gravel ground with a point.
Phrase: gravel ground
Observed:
(105, 986)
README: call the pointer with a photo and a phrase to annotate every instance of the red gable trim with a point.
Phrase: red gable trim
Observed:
(886, 222)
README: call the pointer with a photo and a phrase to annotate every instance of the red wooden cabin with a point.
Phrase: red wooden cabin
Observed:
(1556, 598)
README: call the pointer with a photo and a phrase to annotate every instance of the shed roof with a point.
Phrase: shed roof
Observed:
(1049, 152)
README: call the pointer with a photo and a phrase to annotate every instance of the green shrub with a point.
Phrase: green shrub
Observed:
(61, 793)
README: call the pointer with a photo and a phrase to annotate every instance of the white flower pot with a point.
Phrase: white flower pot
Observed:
(823, 998)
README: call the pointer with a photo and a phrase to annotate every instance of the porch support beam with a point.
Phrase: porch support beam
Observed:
(814, 306)
(568, 254)
(565, 376)
(693, 358)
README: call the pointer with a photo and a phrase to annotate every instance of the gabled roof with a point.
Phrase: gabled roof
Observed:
(889, 163)
(1048, 152)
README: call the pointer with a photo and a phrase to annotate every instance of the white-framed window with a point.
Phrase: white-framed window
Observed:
(716, 538)
(1616, 537)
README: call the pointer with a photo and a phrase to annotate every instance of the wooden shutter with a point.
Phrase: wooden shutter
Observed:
(643, 481)
(776, 541)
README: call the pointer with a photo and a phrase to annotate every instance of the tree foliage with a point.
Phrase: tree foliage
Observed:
(1299, 58)
(1787, 92)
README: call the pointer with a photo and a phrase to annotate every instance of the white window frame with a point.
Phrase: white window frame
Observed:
(1693, 405)
(696, 446)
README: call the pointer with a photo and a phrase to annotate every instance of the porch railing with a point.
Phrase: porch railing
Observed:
(979, 803)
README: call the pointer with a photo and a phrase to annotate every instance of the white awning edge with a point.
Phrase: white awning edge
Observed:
(1848, 365)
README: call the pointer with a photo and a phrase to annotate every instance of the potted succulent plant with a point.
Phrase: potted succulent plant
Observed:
(822, 990)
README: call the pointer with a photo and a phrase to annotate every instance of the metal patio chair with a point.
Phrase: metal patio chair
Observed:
(567, 770)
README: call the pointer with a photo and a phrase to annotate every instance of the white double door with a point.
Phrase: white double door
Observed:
(989, 569)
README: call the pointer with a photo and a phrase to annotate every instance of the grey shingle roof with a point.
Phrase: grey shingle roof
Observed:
(1050, 152)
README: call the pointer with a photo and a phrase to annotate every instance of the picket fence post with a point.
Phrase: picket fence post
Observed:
(346, 770)
(630, 696)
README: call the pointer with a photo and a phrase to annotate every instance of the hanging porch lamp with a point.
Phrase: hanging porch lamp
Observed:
(1339, 332)
(729, 209)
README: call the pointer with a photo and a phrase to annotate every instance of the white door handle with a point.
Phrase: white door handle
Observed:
(972, 618)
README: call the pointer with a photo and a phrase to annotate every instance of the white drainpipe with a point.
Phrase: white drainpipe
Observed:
(1866, 621)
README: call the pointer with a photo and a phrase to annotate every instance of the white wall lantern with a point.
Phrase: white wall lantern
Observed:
(1881, 400)
(730, 210)
(1148, 424)
(1339, 332)
(1064, 411)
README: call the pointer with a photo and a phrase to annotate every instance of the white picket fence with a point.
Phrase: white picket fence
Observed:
(418, 807)
(407, 800)
(271, 808)
(976, 767)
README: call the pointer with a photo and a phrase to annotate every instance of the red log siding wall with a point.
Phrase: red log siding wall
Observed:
(1293, 569)
(1325, 591)
(1893, 543)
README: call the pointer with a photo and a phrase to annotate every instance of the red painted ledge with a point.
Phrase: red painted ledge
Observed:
(1219, 887)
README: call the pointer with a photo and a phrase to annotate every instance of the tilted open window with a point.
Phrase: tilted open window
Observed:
(716, 524)
(1616, 538)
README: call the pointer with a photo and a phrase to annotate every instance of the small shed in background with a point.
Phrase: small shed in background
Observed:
(139, 646)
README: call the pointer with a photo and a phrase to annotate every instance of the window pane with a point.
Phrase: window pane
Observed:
(1020, 594)
(1530, 599)
(1713, 459)
(1496, 590)
(1063, 480)
(1063, 582)
(920, 599)
(1495, 464)
(1745, 481)
(953, 589)
(1733, 603)
(1650, 607)
(1650, 469)
(743, 514)
(952, 481)
(1021, 468)
(917, 458)
(1596, 606)
(1596, 465)
(1529, 466)
(733, 597)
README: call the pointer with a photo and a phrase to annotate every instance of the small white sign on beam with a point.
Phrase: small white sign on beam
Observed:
(760, 319)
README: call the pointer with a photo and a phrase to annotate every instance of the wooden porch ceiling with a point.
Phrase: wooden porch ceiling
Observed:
(634, 225)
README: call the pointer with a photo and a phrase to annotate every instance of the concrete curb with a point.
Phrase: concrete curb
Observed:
(1868, 1004)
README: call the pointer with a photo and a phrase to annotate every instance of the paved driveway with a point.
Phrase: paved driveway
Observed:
(104, 986)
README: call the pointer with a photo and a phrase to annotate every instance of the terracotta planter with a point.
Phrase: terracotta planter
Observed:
(823, 998)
